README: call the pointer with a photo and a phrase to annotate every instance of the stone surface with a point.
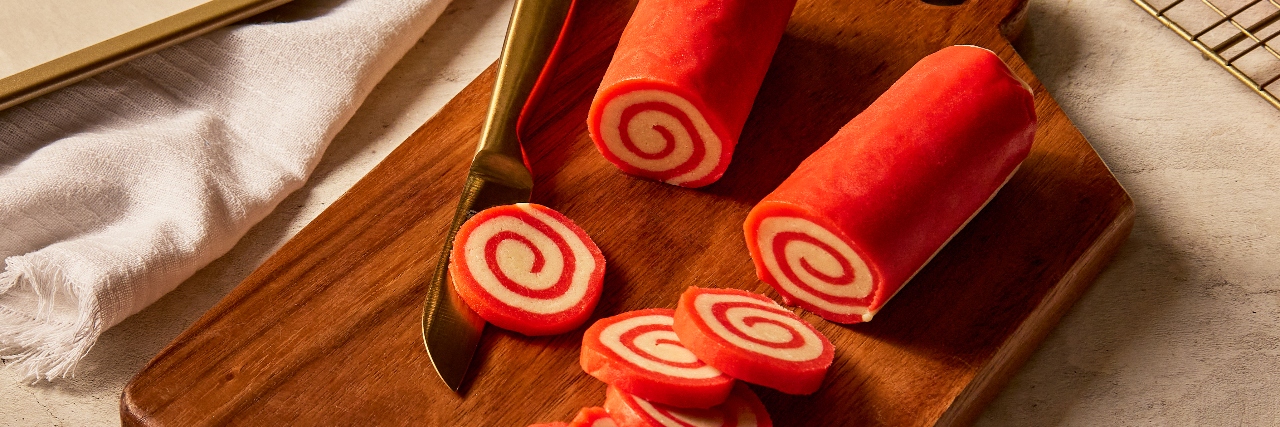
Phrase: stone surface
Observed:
(1182, 329)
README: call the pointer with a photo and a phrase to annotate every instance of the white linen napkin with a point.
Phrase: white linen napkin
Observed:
(116, 189)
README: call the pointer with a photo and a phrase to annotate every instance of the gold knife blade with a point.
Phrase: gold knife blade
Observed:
(498, 176)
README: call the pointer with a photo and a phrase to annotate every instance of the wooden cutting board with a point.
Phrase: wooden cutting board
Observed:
(327, 330)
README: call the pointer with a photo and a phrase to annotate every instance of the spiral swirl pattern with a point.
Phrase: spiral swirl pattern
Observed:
(661, 134)
(650, 343)
(762, 327)
(814, 265)
(741, 409)
(677, 417)
(529, 260)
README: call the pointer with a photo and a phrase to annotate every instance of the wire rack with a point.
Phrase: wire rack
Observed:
(1237, 34)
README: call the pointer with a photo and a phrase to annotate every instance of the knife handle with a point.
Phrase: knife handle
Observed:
(533, 32)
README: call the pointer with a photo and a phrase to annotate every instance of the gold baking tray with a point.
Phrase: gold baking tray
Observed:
(81, 64)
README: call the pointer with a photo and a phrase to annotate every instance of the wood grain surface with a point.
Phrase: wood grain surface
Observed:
(327, 332)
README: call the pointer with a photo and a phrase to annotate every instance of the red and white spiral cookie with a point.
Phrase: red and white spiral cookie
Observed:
(742, 409)
(594, 416)
(527, 268)
(638, 353)
(681, 85)
(752, 338)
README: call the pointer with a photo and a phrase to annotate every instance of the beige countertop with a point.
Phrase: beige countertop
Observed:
(32, 32)
(1182, 329)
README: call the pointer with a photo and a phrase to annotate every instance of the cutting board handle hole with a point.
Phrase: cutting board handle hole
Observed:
(944, 2)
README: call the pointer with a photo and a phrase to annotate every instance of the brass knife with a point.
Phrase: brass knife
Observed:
(498, 176)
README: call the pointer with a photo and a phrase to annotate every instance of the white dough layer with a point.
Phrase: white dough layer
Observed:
(818, 258)
(515, 260)
(772, 333)
(643, 133)
(647, 342)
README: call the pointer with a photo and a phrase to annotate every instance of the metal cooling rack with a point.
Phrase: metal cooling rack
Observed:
(1236, 34)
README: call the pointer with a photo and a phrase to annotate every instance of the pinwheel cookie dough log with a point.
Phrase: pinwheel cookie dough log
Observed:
(861, 215)
(681, 84)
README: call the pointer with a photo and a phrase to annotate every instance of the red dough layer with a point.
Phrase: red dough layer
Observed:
(593, 417)
(752, 338)
(527, 268)
(742, 409)
(860, 216)
(587, 417)
(638, 353)
(713, 54)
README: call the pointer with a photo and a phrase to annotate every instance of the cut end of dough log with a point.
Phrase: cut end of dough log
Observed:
(811, 264)
(653, 131)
